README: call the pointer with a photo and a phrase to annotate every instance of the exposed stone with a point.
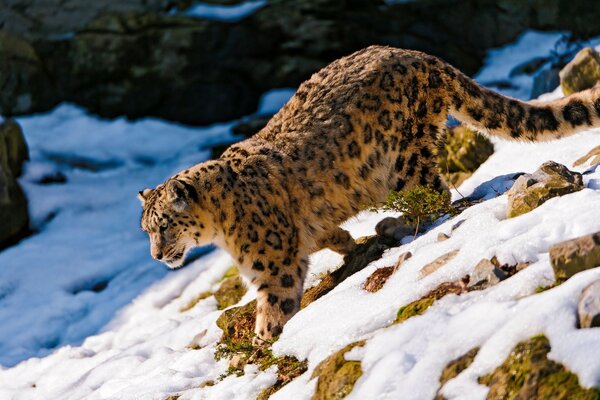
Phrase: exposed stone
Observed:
(368, 249)
(583, 72)
(419, 306)
(442, 236)
(23, 79)
(438, 263)
(532, 190)
(144, 57)
(337, 375)
(589, 306)
(230, 292)
(576, 255)
(486, 274)
(395, 228)
(13, 204)
(237, 323)
(455, 367)
(527, 373)
(463, 152)
(379, 277)
(591, 158)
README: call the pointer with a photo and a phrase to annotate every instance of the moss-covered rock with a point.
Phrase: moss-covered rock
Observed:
(418, 307)
(463, 152)
(336, 375)
(455, 367)
(532, 190)
(237, 323)
(527, 373)
(583, 72)
(14, 216)
(575, 255)
(230, 292)
(288, 369)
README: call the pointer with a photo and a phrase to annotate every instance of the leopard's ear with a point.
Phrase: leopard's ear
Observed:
(143, 195)
(181, 194)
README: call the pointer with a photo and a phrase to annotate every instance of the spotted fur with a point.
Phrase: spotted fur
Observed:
(364, 125)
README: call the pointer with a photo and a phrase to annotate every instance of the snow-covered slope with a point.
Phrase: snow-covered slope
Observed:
(53, 303)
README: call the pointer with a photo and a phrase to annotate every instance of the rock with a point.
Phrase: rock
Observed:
(591, 158)
(438, 263)
(395, 228)
(13, 204)
(336, 375)
(527, 373)
(379, 277)
(23, 78)
(576, 255)
(442, 236)
(532, 190)
(588, 309)
(455, 367)
(419, 306)
(145, 58)
(237, 323)
(485, 274)
(463, 152)
(583, 72)
(230, 292)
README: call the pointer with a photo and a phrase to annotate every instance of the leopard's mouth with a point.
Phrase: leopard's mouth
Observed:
(176, 260)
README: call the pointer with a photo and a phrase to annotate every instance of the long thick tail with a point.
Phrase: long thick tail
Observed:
(489, 112)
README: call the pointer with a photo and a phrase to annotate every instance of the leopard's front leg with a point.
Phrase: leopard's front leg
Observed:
(280, 282)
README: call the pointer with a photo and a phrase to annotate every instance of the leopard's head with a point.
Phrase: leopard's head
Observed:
(174, 221)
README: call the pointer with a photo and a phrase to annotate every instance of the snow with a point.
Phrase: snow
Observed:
(228, 13)
(130, 340)
(271, 101)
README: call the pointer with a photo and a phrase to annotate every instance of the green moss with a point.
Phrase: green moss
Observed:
(230, 292)
(527, 373)
(419, 205)
(173, 397)
(236, 345)
(231, 272)
(337, 375)
(417, 307)
(556, 283)
(195, 301)
(288, 369)
(226, 295)
(455, 367)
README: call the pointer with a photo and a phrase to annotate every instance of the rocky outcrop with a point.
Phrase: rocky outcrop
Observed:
(230, 292)
(13, 204)
(583, 72)
(141, 58)
(336, 375)
(455, 367)
(576, 255)
(532, 190)
(527, 373)
(463, 152)
(588, 309)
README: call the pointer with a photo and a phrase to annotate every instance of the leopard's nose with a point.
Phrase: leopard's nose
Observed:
(158, 255)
